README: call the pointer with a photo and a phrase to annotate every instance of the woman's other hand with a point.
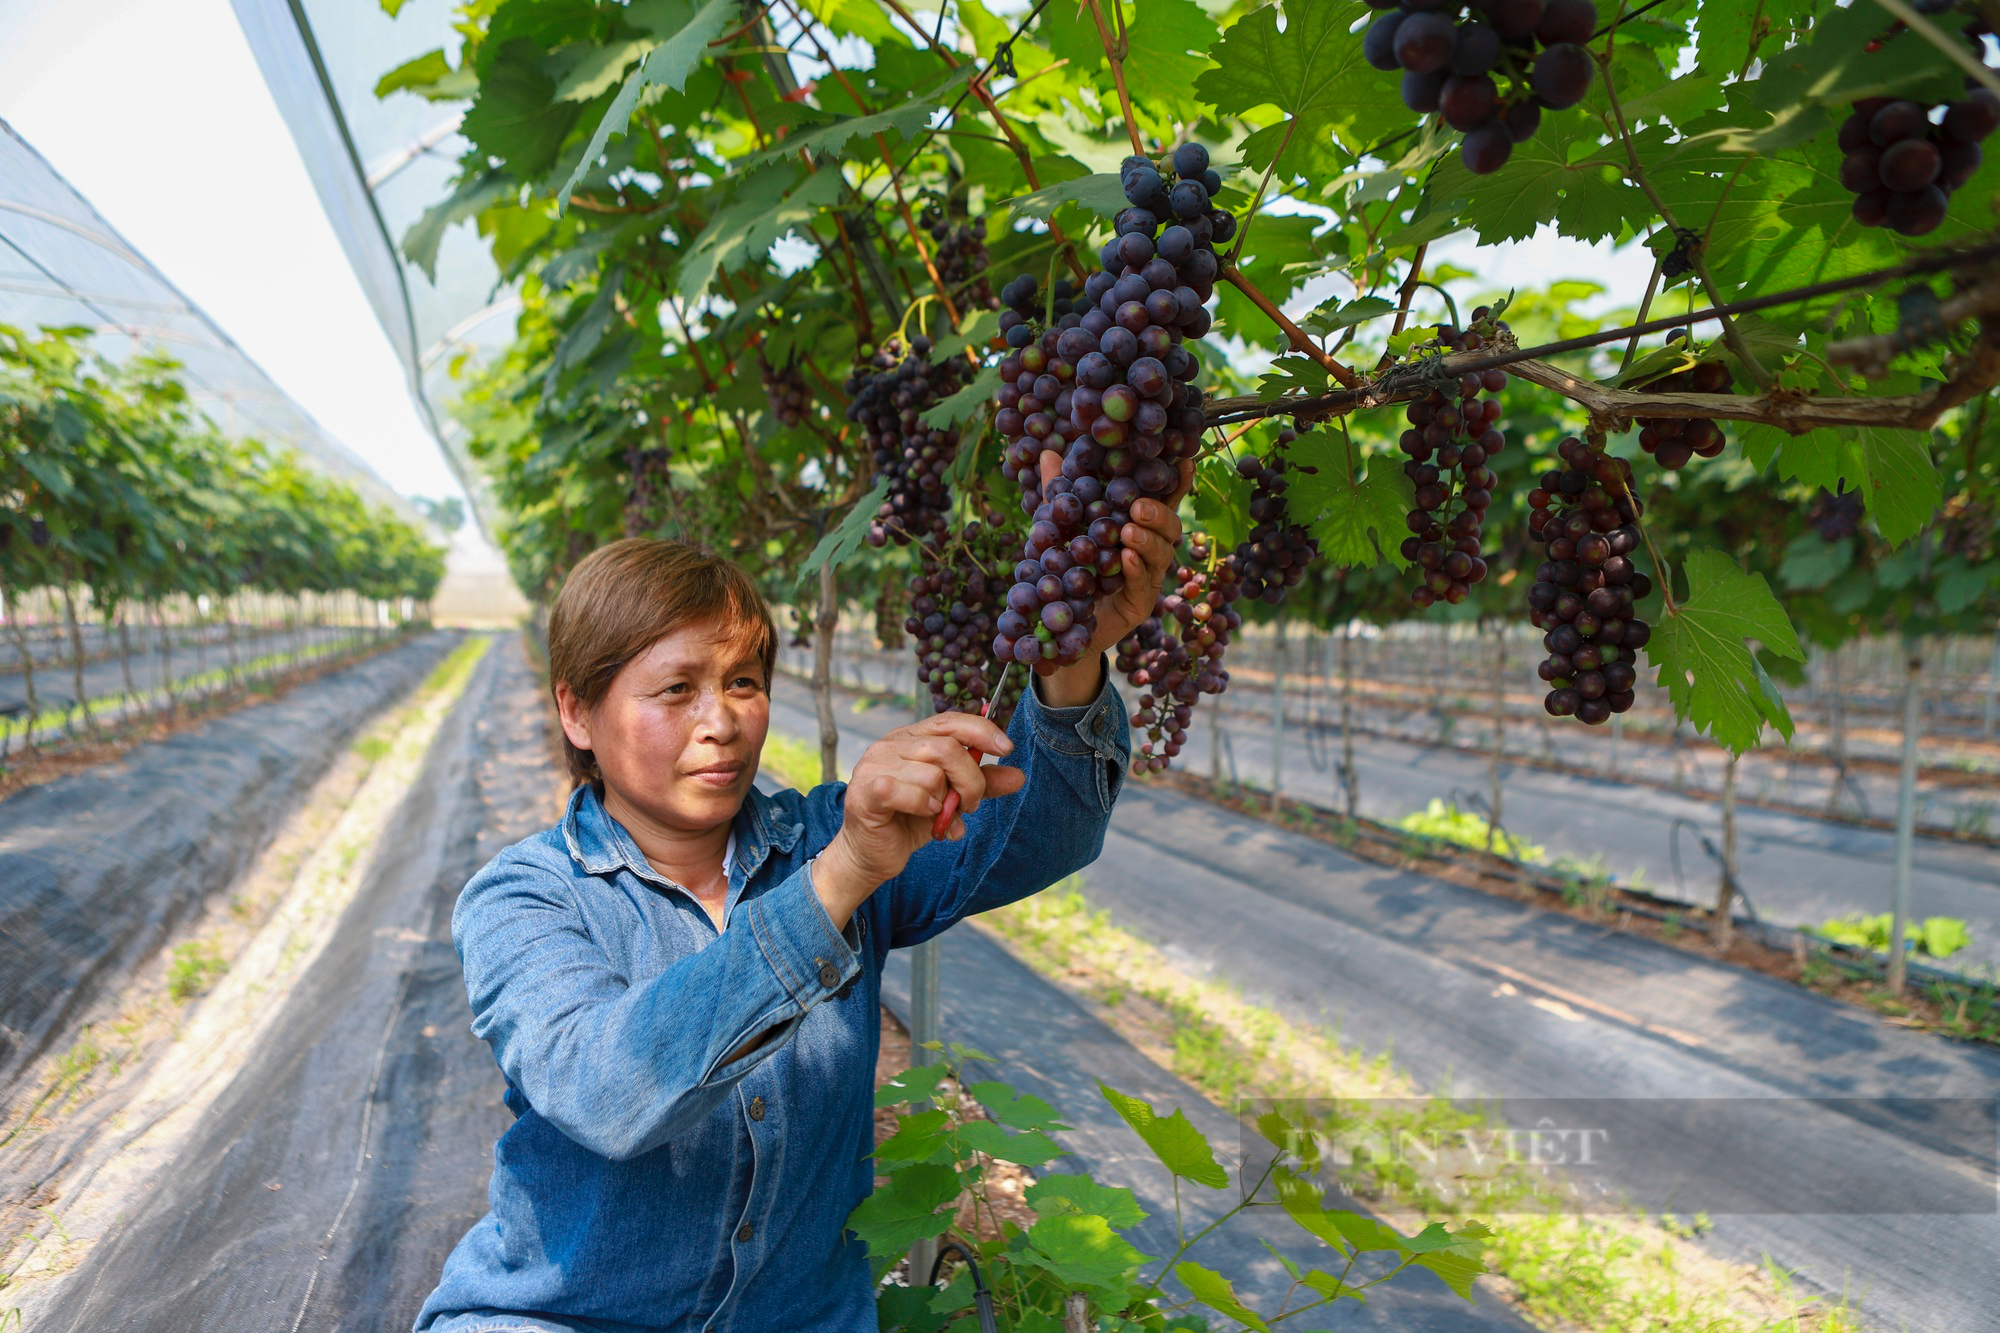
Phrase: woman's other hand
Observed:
(895, 792)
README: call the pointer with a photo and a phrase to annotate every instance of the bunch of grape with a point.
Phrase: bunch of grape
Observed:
(1453, 432)
(1836, 516)
(1174, 656)
(1455, 56)
(1585, 590)
(1108, 390)
(1903, 160)
(785, 390)
(1274, 557)
(961, 258)
(888, 395)
(645, 481)
(956, 604)
(1672, 441)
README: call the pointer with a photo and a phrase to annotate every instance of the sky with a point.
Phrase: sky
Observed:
(156, 112)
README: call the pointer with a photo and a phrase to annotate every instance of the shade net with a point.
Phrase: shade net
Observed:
(378, 165)
(61, 264)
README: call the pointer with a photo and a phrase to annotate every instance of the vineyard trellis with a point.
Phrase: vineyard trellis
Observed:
(118, 501)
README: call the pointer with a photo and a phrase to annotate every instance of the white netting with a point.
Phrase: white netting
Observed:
(378, 164)
(62, 264)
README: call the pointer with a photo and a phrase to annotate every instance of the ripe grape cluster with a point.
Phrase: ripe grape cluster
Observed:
(961, 258)
(1835, 515)
(1586, 587)
(1672, 441)
(1903, 160)
(956, 601)
(1454, 431)
(785, 390)
(1273, 558)
(889, 393)
(1457, 54)
(1108, 390)
(1175, 655)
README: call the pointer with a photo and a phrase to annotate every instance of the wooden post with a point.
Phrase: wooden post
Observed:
(1277, 708)
(1350, 781)
(822, 676)
(1499, 739)
(12, 610)
(1906, 810)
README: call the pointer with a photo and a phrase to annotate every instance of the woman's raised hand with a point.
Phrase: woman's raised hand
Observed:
(896, 791)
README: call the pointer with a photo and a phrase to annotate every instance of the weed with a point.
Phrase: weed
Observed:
(194, 968)
(372, 749)
(1670, 926)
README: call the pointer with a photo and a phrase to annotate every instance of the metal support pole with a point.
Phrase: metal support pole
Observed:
(926, 1002)
(1992, 686)
(1906, 810)
(1277, 709)
(1725, 891)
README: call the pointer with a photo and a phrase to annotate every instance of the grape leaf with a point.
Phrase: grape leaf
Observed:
(1019, 1109)
(1166, 43)
(918, 1138)
(515, 117)
(1028, 1148)
(1082, 1248)
(1215, 1291)
(1338, 314)
(1055, 1194)
(1174, 1140)
(906, 118)
(1101, 194)
(1561, 176)
(1312, 71)
(1891, 468)
(1221, 499)
(668, 66)
(1356, 520)
(1812, 562)
(1837, 67)
(839, 544)
(1703, 662)
(1456, 1267)
(764, 209)
(903, 1212)
(964, 404)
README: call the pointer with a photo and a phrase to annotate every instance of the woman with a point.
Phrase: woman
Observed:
(681, 980)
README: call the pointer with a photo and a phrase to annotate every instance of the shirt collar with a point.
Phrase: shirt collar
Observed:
(600, 844)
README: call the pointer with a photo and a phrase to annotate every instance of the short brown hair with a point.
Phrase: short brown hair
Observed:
(623, 598)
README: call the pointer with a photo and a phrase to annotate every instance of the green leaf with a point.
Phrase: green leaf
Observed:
(1891, 468)
(1055, 1194)
(414, 75)
(597, 67)
(839, 544)
(1167, 48)
(1215, 1291)
(976, 328)
(1561, 175)
(1356, 520)
(912, 1085)
(1337, 314)
(765, 208)
(906, 118)
(1813, 562)
(1028, 1148)
(917, 1139)
(1174, 1140)
(1294, 374)
(668, 66)
(964, 404)
(1221, 498)
(1083, 1249)
(1456, 1267)
(515, 116)
(904, 1211)
(1960, 585)
(1703, 662)
(1836, 67)
(1313, 71)
(468, 199)
(1101, 194)
(1021, 1110)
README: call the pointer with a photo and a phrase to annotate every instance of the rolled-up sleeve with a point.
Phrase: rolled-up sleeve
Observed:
(622, 1067)
(1076, 760)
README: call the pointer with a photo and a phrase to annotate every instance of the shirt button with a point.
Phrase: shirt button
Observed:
(756, 1108)
(829, 975)
(745, 1231)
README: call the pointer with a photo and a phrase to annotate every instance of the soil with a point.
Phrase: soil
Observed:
(1959, 1016)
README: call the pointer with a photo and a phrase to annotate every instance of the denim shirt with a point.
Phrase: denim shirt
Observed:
(647, 1184)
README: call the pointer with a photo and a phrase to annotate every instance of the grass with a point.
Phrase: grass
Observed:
(792, 761)
(195, 967)
(1563, 1268)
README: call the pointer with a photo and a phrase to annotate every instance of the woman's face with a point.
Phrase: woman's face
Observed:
(678, 734)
